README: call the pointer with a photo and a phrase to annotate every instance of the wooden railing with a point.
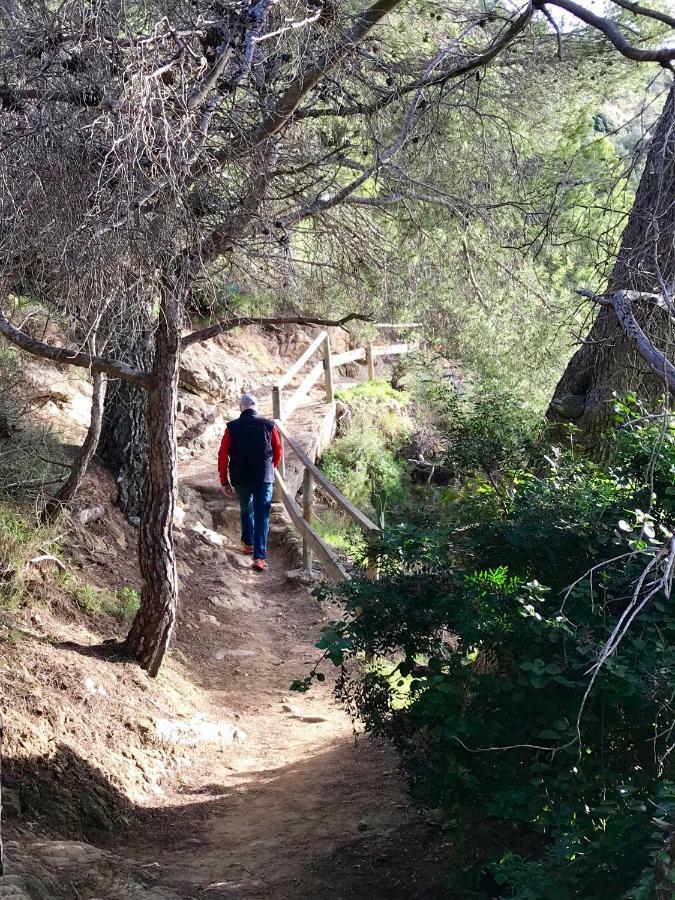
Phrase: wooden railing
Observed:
(282, 408)
(312, 543)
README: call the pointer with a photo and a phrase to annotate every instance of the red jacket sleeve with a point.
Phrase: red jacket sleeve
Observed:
(277, 447)
(224, 458)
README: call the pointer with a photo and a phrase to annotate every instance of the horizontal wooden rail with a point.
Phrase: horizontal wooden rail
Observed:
(349, 356)
(398, 325)
(393, 349)
(355, 514)
(331, 563)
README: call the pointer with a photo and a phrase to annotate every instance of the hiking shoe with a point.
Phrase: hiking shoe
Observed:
(259, 565)
(247, 549)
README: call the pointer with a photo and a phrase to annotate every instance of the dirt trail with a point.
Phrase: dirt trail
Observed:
(299, 809)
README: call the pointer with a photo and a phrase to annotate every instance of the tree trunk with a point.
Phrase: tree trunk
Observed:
(123, 447)
(84, 455)
(150, 633)
(608, 363)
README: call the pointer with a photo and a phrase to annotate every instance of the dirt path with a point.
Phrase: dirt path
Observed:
(295, 810)
(298, 809)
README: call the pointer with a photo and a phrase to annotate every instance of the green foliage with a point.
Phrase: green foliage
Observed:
(21, 538)
(365, 462)
(121, 605)
(485, 640)
(486, 427)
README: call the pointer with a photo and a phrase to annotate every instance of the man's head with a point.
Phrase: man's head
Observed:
(247, 401)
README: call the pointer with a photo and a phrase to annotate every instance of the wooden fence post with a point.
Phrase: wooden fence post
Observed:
(308, 515)
(276, 403)
(276, 414)
(370, 361)
(328, 370)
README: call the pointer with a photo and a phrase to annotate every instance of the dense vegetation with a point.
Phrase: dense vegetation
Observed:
(522, 650)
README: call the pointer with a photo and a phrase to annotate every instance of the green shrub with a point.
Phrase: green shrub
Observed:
(487, 429)
(367, 458)
(21, 539)
(121, 605)
(488, 638)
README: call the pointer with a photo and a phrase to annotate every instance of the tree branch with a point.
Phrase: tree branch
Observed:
(663, 55)
(638, 10)
(466, 67)
(290, 100)
(111, 367)
(620, 301)
(205, 334)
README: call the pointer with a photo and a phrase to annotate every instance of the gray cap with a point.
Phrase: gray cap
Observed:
(247, 401)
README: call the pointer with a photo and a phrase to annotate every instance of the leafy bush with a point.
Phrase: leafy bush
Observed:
(366, 458)
(548, 768)
(487, 428)
(121, 605)
(21, 538)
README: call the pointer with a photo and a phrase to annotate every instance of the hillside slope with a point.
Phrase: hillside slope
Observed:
(211, 780)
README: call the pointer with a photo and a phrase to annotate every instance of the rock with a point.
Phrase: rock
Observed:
(208, 535)
(94, 688)
(64, 870)
(87, 516)
(227, 601)
(198, 731)
(308, 720)
(196, 510)
(135, 521)
(184, 570)
(199, 423)
(213, 374)
(302, 576)
(11, 803)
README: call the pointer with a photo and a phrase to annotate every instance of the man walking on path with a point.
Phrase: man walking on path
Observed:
(249, 453)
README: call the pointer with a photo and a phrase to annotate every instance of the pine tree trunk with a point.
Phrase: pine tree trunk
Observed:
(149, 637)
(123, 447)
(85, 454)
(607, 363)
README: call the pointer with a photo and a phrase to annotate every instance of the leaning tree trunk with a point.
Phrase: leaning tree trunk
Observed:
(149, 637)
(123, 447)
(85, 454)
(607, 363)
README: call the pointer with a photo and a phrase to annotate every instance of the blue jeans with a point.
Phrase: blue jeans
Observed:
(255, 501)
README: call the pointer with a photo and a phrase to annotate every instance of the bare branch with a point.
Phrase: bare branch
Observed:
(506, 37)
(111, 367)
(663, 55)
(639, 10)
(310, 77)
(621, 301)
(224, 325)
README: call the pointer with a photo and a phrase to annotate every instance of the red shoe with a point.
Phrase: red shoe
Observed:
(246, 549)
(259, 565)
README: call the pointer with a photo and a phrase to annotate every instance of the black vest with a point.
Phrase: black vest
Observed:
(251, 449)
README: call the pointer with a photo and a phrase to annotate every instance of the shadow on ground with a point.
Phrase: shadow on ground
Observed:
(250, 838)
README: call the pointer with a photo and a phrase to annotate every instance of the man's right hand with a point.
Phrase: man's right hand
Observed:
(227, 489)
